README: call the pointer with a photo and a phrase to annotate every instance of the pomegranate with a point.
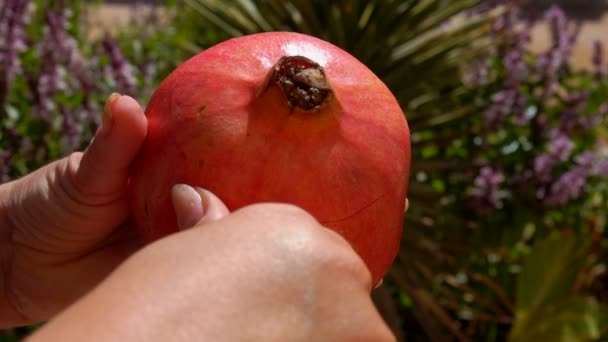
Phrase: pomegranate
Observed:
(279, 117)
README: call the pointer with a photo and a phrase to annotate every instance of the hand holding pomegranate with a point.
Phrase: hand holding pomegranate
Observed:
(267, 272)
(275, 117)
(64, 227)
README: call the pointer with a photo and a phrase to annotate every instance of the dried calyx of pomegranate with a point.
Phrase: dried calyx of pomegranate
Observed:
(302, 81)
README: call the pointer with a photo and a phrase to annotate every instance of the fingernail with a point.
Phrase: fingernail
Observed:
(106, 120)
(407, 205)
(379, 283)
(188, 205)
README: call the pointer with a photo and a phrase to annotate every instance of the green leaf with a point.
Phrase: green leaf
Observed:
(570, 320)
(550, 272)
(547, 309)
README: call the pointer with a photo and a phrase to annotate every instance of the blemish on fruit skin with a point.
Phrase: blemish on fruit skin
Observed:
(201, 109)
(357, 211)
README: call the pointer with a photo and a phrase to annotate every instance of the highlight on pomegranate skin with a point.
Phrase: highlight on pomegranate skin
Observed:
(279, 117)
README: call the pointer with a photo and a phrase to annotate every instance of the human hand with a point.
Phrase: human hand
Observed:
(64, 227)
(267, 272)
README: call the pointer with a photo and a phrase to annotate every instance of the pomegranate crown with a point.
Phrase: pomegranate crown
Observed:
(302, 81)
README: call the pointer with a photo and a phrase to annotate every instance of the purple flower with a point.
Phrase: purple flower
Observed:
(563, 40)
(600, 169)
(568, 186)
(557, 22)
(592, 161)
(12, 40)
(502, 104)
(515, 68)
(573, 116)
(589, 121)
(58, 53)
(120, 68)
(598, 58)
(503, 23)
(543, 167)
(543, 61)
(522, 117)
(560, 149)
(486, 191)
(586, 159)
(560, 146)
(66, 49)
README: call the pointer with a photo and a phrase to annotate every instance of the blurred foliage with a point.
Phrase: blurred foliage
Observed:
(426, 40)
(548, 306)
(54, 81)
(506, 233)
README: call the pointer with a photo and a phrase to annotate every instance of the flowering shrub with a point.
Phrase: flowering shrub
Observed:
(537, 142)
(538, 145)
(53, 85)
(525, 160)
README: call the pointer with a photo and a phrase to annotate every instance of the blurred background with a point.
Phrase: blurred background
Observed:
(505, 239)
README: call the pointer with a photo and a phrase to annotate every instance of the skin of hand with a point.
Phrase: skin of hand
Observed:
(64, 227)
(267, 272)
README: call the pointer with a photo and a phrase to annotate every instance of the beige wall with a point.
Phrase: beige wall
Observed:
(592, 30)
(110, 17)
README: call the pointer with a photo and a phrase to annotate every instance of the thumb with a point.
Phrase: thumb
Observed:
(196, 205)
(104, 167)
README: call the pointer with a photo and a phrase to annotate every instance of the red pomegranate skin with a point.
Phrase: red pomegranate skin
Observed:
(217, 122)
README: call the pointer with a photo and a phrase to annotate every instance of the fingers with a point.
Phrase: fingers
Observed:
(104, 166)
(196, 205)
